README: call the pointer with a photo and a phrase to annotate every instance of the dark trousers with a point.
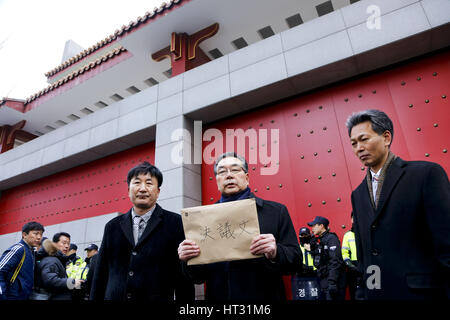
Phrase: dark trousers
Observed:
(340, 294)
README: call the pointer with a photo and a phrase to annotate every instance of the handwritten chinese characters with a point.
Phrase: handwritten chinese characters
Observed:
(225, 230)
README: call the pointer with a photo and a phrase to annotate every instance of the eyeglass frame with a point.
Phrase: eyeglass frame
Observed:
(229, 171)
(230, 155)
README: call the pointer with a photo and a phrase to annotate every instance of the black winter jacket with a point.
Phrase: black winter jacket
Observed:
(330, 266)
(53, 276)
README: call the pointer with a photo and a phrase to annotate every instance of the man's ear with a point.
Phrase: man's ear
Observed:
(387, 137)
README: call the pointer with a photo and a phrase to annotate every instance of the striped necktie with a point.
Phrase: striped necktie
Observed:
(141, 226)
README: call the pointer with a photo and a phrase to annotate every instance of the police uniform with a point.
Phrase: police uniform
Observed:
(349, 247)
(77, 269)
(329, 263)
(349, 254)
(305, 284)
(308, 260)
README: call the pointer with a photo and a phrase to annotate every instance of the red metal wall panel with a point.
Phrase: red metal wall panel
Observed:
(92, 189)
(368, 93)
(317, 168)
(419, 92)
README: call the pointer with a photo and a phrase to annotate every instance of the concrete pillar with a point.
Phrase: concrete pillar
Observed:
(174, 156)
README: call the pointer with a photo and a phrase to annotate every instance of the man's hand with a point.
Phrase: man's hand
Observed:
(264, 244)
(78, 283)
(74, 283)
(351, 266)
(188, 249)
(307, 246)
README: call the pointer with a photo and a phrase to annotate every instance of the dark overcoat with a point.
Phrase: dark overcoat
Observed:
(254, 279)
(149, 270)
(407, 236)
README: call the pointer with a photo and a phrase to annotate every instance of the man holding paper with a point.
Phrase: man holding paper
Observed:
(275, 249)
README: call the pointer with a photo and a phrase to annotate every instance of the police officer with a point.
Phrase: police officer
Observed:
(353, 275)
(308, 268)
(305, 284)
(76, 264)
(328, 260)
(76, 269)
(91, 260)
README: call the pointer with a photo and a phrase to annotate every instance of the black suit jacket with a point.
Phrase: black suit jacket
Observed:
(408, 235)
(149, 270)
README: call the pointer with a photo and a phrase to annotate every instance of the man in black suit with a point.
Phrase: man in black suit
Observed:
(276, 249)
(401, 216)
(138, 256)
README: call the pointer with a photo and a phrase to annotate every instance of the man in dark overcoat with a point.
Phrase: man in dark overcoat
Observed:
(401, 216)
(276, 249)
(138, 257)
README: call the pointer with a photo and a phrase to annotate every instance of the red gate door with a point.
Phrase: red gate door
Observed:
(316, 167)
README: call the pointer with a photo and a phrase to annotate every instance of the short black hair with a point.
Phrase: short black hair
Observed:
(59, 235)
(379, 120)
(231, 155)
(145, 168)
(32, 226)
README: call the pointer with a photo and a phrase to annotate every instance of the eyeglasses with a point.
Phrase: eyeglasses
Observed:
(224, 171)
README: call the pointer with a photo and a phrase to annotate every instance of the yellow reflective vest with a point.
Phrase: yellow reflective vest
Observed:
(307, 258)
(349, 247)
(77, 269)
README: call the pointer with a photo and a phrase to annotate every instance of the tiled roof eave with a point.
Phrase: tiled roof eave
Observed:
(114, 53)
(126, 28)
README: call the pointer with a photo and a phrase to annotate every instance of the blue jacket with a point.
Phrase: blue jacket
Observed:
(16, 272)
